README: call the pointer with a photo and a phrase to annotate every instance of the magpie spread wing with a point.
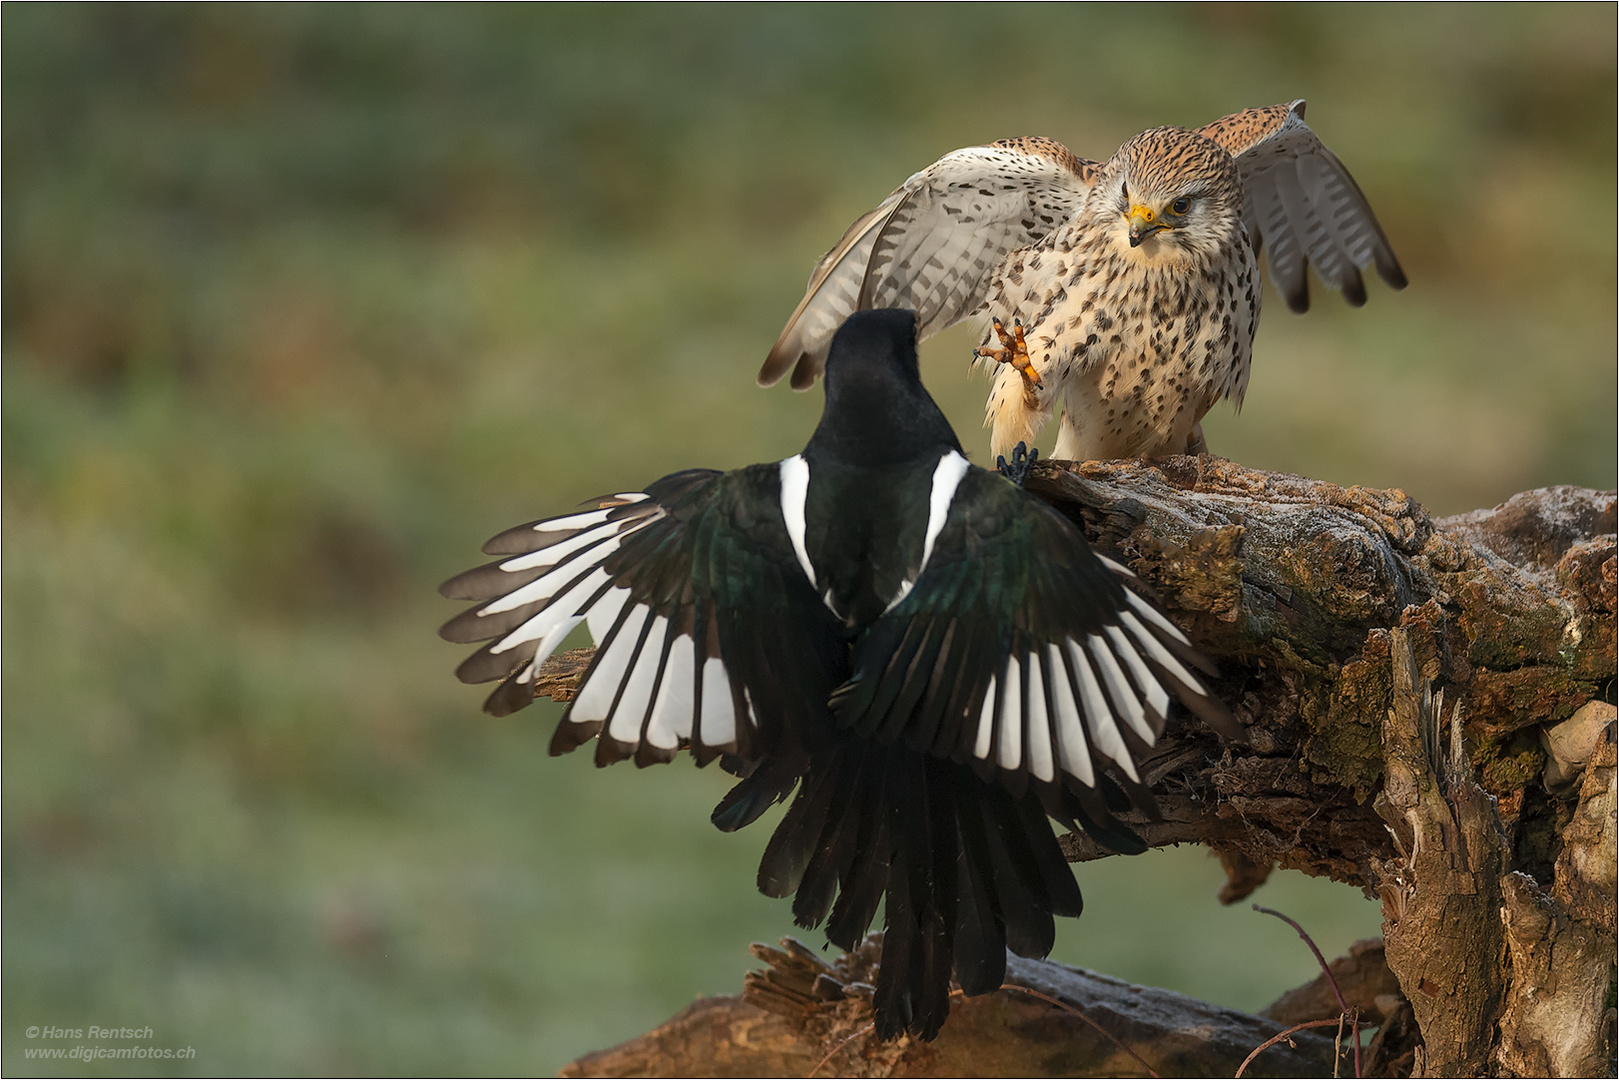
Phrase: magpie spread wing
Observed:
(1022, 652)
(705, 626)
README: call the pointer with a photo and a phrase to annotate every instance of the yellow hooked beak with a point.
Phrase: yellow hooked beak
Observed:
(1143, 223)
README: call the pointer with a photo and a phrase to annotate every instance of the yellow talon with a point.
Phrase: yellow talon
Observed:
(1013, 351)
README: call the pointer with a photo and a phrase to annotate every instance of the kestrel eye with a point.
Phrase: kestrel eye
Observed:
(1181, 205)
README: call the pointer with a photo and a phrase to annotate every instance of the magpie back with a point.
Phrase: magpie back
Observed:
(877, 411)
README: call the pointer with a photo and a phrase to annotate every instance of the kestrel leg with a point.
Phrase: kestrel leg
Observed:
(1195, 443)
(1015, 351)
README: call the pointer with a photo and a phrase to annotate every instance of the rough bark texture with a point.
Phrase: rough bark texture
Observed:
(1340, 617)
(801, 1012)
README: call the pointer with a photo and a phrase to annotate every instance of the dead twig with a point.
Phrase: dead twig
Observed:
(1343, 1006)
(832, 1053)
(1274, 1039)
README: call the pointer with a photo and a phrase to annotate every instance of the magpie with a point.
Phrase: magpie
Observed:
(932, 658)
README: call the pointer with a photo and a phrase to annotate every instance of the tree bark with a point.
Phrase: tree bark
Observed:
(1431, 713)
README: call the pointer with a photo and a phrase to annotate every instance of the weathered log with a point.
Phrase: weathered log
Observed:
(802, 1015)
(1335, 613)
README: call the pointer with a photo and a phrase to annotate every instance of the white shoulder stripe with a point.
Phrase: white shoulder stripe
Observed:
(947, 478)
(795, 475)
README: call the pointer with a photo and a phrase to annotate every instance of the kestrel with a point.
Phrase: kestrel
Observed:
(1128, 287)
(934, 659)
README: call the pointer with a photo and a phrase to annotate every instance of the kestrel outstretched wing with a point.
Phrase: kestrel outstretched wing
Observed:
(1302, 203)
(933, 244)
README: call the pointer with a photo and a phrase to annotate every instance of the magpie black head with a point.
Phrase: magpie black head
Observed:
(877, 411)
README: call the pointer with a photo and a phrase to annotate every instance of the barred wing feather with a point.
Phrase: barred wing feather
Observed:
(934, 245)
(1302, 204)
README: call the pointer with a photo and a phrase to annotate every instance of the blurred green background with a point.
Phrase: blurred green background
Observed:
(302, 303)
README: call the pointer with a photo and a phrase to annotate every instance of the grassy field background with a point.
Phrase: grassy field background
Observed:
(302, 303)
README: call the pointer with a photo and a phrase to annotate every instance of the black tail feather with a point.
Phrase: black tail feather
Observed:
(781, 869)
(757, 792)
(1030, 930)
(964, 867)
(1081, 807)
(834, 854)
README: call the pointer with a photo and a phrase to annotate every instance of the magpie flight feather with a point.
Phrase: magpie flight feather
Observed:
(933, 659)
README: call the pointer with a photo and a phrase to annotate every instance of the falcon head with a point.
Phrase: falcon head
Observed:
(1177, 194)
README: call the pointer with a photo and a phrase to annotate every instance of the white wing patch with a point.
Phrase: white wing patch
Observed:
(1039, 740)
(1072, 752)
(1124, 700)
(672, 711)
(1159, 652)
(1010, 752)
(1154, 616)
(643, 688)
(719, 708)
(595, 698)
(646, 685)
(605, 611)
(1076, 706)
(1118, 568)
(550, 591)
(1157, 696)
(986, 723)
(1098, 717)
